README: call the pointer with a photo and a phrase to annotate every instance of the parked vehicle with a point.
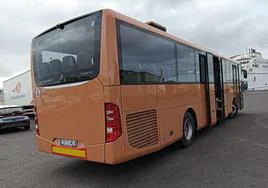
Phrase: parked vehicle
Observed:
(13, 116)
(18, 91)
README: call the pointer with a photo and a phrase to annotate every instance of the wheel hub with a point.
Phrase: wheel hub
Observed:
(234, 109)
(188, 129)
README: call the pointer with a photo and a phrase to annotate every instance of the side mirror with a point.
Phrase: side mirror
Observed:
(245, 74)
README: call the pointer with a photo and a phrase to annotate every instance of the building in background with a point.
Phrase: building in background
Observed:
(1, 97)
(256, 67)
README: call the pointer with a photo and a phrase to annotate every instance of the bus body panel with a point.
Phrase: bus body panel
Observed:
(114, 152)
(173, 101)
(71, 113)
(212, 104)
(170, 124)
(230, 94)
(62, 109)
(172, 95)
(109, 66)
(202, 114)
(132, 151)
(138, 99)
(170, 102)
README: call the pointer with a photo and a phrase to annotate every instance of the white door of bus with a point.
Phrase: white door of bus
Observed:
(235, 82)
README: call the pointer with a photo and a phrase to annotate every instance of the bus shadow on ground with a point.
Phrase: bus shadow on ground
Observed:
(84, 169)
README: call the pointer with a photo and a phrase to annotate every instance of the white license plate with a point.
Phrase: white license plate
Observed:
(68, 142)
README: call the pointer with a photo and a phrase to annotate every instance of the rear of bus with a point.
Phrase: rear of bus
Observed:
(73, 66)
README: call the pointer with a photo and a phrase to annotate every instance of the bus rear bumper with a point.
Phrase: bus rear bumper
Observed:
(109, 153)
(114, 152)
(93, 153)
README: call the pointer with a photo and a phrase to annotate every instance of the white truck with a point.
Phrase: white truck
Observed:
(18, 91)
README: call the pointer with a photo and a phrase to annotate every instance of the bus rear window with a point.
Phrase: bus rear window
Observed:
(68, 53)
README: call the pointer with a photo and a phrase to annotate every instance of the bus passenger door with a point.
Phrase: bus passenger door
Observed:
(235, 83)
(207, 78)
(211, 85)
(219, 87)
(241, 102)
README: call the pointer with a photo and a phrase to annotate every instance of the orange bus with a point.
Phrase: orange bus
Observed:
(109, 88)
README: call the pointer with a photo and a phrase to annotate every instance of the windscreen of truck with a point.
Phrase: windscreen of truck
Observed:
(69, 52)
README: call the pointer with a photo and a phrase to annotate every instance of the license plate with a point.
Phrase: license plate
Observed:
(68, 142)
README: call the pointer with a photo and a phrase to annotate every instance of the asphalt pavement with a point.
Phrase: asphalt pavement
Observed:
(232, 154)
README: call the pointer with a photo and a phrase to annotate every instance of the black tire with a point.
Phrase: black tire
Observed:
(234, 110)
(27, 127)
(188, 128)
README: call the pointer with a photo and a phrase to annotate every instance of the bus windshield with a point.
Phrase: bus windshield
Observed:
(69, 52)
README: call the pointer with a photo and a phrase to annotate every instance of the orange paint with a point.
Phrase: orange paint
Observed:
(77, 112)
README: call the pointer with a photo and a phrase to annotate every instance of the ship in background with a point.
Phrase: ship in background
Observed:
(256, 67)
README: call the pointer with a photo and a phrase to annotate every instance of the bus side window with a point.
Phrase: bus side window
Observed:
(186, 63)
(202, 64)
(150, 52)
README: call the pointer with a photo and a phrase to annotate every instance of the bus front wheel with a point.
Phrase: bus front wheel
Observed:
(188, 130)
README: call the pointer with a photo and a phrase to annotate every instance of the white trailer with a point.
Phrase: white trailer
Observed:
(18, 91)
(1, 97)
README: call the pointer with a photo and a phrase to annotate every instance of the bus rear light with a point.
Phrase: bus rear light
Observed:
(37, 129)
(36, 123)
(113, 122)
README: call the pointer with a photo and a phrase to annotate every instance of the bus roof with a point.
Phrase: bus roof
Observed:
(66, 22)
(144, 26)
(166, 34)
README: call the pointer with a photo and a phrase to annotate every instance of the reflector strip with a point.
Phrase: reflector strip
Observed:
(69, 151)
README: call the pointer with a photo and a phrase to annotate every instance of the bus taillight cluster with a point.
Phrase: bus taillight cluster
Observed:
(113, 122)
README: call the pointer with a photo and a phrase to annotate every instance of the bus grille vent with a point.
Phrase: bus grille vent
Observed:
(142, 129)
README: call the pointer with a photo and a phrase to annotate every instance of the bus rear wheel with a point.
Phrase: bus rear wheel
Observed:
(188, 130)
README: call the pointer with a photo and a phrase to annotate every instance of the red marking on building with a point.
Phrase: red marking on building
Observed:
(17, 89)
